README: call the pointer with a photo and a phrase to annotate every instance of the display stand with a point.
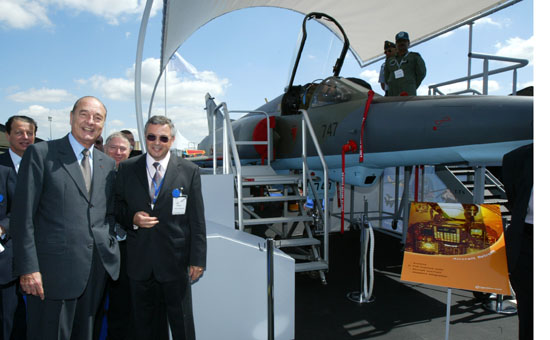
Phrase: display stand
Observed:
(448, 315)
(498, 305)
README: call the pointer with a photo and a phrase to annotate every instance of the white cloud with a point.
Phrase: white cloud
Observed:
(371, 76)
(44, 95)
(488, 21)
(185, 94)
(116, 122)
(517, 48)
(60, 123)
(22, 14)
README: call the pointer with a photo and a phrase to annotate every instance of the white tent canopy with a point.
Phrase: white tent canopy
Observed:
(365, 22)
(181, 143)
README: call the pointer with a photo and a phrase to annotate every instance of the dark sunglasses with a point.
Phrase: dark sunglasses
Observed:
(152, 138)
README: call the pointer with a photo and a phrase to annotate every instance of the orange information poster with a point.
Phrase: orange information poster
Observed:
(456, 245)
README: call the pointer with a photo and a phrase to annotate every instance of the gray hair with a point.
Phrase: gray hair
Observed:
(118, 135)
(161, 120)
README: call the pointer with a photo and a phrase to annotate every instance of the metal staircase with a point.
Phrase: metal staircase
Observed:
(254, 187)
(292, 230)
(461, 180)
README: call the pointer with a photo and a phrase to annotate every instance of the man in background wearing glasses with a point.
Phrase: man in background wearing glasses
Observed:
(159, 202)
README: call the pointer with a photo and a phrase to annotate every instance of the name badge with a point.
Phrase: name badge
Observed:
(399, 74)
(179, 204)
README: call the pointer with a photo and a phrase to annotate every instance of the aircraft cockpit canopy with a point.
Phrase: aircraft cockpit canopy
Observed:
(333, 90)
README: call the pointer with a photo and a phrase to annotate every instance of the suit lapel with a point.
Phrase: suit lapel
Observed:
(99, 173)
(69, 162)
(140, 169)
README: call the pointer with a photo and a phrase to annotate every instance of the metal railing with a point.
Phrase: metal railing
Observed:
(225, 148)
(306, 122)
(230, 148)
(519, 63)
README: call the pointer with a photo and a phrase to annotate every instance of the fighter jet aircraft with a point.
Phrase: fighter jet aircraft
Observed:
(374, 132)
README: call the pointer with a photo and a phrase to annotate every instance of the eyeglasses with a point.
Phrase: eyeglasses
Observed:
(115, 147)
(163, 139)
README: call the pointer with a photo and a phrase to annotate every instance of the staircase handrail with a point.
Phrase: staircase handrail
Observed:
(229, 138)
(306, 122)
(519, 63)
(494, 180)
(268, 142)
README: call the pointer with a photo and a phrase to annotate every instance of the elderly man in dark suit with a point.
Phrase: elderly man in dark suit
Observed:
(159, 202)
(8, 296)
(64, 243)
(20, 133)
(517, 175)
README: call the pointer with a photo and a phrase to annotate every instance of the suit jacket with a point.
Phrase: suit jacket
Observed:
(177, 241)
(517, 176)
(5, 159)
(58, 223)
(8, 179)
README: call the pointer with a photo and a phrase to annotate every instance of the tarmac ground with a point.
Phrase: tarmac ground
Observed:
(401, 310)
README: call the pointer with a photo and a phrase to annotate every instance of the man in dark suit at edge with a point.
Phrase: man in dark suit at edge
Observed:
(20, 133)
(8, 288)
(159, 202)
(64, 243)
(517, 176)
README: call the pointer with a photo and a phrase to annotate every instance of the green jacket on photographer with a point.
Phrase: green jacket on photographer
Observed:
(404, 73)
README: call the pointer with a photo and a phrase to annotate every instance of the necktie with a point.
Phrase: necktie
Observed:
(86, 171)
(155, 183)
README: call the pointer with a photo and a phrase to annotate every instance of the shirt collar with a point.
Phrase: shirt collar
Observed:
(163, 162)
(77, 148)
(16, 159)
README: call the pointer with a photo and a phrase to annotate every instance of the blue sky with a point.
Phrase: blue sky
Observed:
(55, 51)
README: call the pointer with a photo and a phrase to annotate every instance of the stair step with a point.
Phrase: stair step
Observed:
(270, 180)
(462, 172)
(272, 220)
(257, 170)
(310, 266)
(260, 199)
(297, 242)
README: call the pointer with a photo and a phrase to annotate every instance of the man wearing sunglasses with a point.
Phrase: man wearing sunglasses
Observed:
(159, 202)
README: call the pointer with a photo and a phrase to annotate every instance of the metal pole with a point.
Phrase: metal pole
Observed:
(514, 81)
(448, 318)
(50, 120)
(270, 306)
(406, 204)
(479, 185)
(214, 158)
(396, 199)
(137, 72)
(470, 54)
(485, 76)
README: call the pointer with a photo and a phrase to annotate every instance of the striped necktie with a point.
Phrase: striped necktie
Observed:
(155, 183)
(86, 171)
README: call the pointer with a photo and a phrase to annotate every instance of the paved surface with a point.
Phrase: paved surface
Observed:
(401, 310)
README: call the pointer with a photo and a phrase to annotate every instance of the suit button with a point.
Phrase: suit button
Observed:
(90, 246)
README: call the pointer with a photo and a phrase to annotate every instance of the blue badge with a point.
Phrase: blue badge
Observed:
(1, 198)
(176, 193)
